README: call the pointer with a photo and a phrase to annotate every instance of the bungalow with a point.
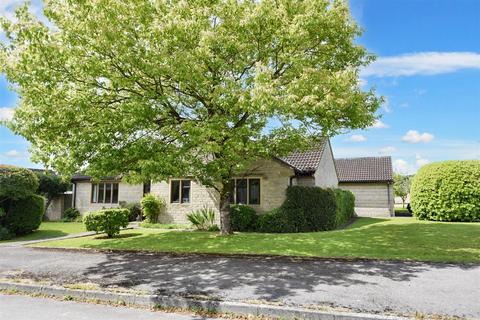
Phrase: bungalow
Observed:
(263, 188)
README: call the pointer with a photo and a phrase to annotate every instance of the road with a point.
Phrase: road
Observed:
(371, 286)
(27, 308)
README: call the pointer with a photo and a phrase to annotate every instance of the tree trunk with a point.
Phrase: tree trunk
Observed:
(225, 226)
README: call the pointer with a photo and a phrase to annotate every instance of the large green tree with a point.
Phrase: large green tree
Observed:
(159, 88)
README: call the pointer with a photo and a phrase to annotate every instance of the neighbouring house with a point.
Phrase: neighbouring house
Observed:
(371, 181)
(261, 187)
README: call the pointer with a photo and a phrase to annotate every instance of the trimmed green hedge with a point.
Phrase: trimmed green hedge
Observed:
(25, 215)
(305, 209)
(17, 183)
(243, 218)
(345, 206)
(109, 221)
(447, 191)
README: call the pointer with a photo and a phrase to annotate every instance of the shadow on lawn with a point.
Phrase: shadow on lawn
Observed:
(269, 278)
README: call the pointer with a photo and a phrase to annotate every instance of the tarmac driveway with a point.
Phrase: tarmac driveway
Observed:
(373, 286)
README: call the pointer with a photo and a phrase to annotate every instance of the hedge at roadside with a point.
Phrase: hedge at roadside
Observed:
(25, 215)
(447, 191)
(306, 209)
(109, 221)
(21, 211)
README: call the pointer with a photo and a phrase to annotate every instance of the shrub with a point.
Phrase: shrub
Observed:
(243, 218)
(345, 206)
(151, 207)
(308, 209)
(447, 191)
(24, 215)
(278, 221)
(109, 221)
(134, 209)
(318, 206)
(202, 219)
(71, 214)
(5, 234)
(17, 183)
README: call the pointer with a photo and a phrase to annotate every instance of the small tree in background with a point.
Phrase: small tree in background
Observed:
(50, 185)
(401, 186)
(155, 89)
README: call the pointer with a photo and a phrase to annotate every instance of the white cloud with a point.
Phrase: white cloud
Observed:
(388, 150)
(403, 167)
(386, 106)
(6, 114)
(422, 63)
(420, 161)
(357, 138)
(413, 136)
(13, 154)
(379, 124)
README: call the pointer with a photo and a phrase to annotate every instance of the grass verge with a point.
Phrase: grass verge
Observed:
(367, 238)
(51, 230)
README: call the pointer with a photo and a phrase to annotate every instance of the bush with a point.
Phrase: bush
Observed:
(71, 214)
(308, 209)
(25, 215)
(447, 191)
(278, 221)
(5, 234)
(109, 221)
(17, 183)
(151, 207)
(318, 206)
(134, 209)
(243, 218)
(202, 219)
(345, 206)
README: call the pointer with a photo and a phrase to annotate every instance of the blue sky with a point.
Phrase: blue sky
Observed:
(428, 70)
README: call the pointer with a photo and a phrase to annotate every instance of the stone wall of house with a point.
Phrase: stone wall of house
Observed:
(326, 174)
(126, 192)
(371, 199)
(306, 181)
(274, 179)
(200, 197)
(55, 209)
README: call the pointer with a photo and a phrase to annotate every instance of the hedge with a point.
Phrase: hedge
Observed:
(447, 191)
(109, 221)
(305, 209)
(17, 183)
(243, 218)
(24, 215)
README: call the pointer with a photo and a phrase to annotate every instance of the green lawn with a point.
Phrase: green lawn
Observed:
(391, 239)
(51, 230)
(164, 225)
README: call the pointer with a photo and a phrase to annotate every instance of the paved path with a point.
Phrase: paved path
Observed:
(28, 308)
(360, 285)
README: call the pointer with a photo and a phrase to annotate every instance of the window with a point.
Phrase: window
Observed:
(104, 192)
(146, 187)
(180, 191)
(245, 191)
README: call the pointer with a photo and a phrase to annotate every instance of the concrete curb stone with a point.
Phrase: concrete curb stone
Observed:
(188, 303)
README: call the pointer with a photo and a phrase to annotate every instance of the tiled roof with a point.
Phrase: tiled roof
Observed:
(307, 161)
(367, 169)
